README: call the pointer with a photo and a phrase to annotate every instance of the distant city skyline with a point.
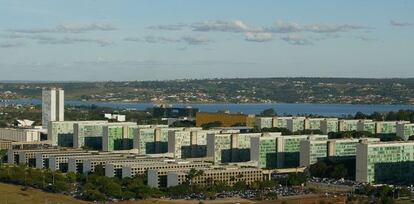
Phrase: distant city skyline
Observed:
(90, 40)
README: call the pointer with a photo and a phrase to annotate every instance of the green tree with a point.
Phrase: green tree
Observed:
(207, 126)
(339, 171)
(270, 112)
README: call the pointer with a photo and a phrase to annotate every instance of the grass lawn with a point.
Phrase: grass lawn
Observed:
(12, 194)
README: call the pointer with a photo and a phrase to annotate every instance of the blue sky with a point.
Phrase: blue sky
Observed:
(94, 40)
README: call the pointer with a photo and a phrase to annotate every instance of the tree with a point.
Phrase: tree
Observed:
(210, 125)
(270, 112)
(360, 115)
(318, 169)
(339, 171)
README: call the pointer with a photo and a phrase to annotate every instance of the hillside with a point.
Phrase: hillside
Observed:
(248, 90)
(12, 194)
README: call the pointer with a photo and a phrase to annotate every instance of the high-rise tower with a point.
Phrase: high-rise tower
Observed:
(53, 106)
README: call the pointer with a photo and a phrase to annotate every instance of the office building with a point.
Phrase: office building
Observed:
(61, 133)
(388, 127)
(347, 125)
(278, 151)
(53, 106)
(312, 151)
(20, 135)
(264, 122)
(227, 175)
(171, 112)
(329, 125)
(132, 169)
(118, 136)
(189, 143)
(385, 162)
(296, 124)
(367, 126)
(281, 122)
(153, 140)
(313, 123)
(227, 148)
(226, 119)
(88, 134)
(405, 130)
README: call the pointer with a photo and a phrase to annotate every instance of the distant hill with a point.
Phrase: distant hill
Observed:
(238, 90)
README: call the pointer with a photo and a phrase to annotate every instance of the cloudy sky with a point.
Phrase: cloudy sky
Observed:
(94, 40)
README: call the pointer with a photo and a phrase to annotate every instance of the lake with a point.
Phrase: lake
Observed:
(335, 110)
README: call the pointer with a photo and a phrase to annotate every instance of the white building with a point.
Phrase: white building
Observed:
(20, 135)
(264, 122)
(53, 106)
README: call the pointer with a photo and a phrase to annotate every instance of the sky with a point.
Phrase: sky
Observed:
(100, 40)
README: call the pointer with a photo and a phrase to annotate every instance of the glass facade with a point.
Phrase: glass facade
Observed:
(391, 163)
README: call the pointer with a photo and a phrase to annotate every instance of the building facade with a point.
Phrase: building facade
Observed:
(385, 162)
(226, 119)
(405, 130)
(53, 106)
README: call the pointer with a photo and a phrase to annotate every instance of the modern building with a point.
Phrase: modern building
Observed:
(5, 144)
(133, 169)
(115, 117)
(189, 143)
(89, 164)
(53, 106)
(347, 125)
(313, 123)
(170, 112)
(76, 164)
(88, 134)
(42, 159)
(226, 119)
(227, 148)
(367, 126)
(296, 124)
(329, 125)
(228, 175)
(22, 156)
(405, 130)
(153, 140)
(385, 162)
(312, 151)
(20, 135)
(278, 151)
(61, 133)
(388, 127)
(281, 122)
(264, 122)
(119, 136)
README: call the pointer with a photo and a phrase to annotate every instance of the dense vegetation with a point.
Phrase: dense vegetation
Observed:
(247, 90)
(97, 187)
(334, 169)
(9, 115)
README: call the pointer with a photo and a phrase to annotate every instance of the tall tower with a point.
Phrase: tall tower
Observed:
(53, 106)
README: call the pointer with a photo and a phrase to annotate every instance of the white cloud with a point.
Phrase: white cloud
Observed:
(285, 27)
(364, 38)
(258, 37)
(399, 23)
(168, 27)
(132, 39)
(160, 39)
(297, 40)
(221, 26)
(70, 40)
(196, 40)
(331, 28)
(11, 44)
(68, 28)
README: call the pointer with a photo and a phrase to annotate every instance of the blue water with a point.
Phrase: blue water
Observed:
(336, 110)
